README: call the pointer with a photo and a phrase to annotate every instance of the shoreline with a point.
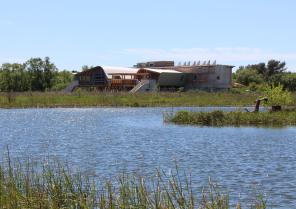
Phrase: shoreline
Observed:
(126, 100)
(120, 99)
(127, 107)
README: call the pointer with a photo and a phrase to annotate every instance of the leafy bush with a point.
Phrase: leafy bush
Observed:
(277, 95)
(288, 80)
(247, 76)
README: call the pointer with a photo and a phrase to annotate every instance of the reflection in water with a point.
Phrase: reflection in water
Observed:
(107, 140)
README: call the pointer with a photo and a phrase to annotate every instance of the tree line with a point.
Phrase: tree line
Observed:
(36, 74)
(273, 72)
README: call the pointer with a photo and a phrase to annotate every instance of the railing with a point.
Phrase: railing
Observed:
(124, 82)
(139, 86)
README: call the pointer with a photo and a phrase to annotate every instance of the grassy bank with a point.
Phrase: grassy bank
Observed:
(219, 118)
(92, 99)
(53, 186)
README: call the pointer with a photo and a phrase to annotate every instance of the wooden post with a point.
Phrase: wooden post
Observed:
(257, 105)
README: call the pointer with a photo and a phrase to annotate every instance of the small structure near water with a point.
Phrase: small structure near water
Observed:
(153, 76)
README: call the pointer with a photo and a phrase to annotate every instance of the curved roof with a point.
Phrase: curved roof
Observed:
(110, 69)
(88, 71)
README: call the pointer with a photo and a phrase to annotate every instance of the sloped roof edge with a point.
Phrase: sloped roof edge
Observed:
(160, 70)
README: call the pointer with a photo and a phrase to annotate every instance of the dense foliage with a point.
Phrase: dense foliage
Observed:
(220, 118)
(277, 95)
(272, 73)
(248, 76)
(35, 74)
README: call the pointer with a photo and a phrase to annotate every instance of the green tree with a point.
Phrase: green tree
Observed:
(35, 74)
(288, 80)
(272, 67)
(41, 73)
(260, 67)
(13, 77)
(50, 71)
(246, 76)
(62, 80)
(275, 66)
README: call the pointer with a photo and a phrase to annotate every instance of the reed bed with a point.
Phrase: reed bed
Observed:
(53, 185)
(220, 118)
(124, 99)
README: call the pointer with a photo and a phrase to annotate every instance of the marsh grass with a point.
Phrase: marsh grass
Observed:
(52, 185)
(125, 99)
(220, 118)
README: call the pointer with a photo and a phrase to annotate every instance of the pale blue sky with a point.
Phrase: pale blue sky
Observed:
(121, 33)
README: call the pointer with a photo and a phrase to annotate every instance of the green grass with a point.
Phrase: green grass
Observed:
(121, 99)
(220, 118)
(51, 185)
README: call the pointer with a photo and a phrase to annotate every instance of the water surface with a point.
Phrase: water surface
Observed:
(107, 140)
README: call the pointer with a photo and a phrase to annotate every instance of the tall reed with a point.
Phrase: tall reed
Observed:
(53, 185)
(220, 118)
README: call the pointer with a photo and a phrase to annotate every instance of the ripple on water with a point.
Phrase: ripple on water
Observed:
(107, 140)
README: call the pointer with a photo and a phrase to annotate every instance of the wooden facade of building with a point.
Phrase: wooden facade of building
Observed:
(98, 78)
(94, 77)
(125, 81)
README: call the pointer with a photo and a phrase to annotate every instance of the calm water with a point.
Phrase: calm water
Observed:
(108, 140)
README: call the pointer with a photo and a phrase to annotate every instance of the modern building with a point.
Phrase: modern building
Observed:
(204, 76)
(207, 77)
(156, 76)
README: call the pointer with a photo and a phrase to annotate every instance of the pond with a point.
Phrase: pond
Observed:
(109, 140)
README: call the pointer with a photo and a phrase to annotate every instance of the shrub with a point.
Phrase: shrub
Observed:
(277, 95)
(219, 118)
(247, 76)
